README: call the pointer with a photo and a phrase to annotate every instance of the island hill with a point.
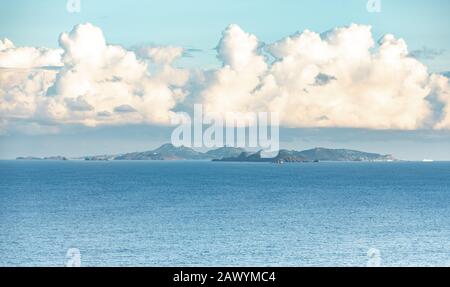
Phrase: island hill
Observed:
(43, 158)
(231, 154)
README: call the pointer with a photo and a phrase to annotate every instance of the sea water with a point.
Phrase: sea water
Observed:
(186, 213)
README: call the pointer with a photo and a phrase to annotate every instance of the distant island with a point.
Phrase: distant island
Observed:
(231, 154)
(312, 155)
(43, 158)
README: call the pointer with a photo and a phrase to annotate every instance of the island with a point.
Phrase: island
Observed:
(43, 158)
(312, 155)
(169, 152)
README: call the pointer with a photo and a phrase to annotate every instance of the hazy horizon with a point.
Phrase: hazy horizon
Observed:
(142, 138)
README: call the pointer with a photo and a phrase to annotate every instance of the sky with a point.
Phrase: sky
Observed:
(198, 24)
(185, 42)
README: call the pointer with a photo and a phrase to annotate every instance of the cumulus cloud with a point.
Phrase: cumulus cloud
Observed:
(230, 88)
(162, 55)
(6, 44)
(22, 93)
(341, 78)
(337, 79)
(27, 57)
(97, 83)
(441, 90)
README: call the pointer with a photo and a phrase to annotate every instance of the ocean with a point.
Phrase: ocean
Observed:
(188, 213)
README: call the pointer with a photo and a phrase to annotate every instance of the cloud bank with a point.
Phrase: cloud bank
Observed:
(341, 78)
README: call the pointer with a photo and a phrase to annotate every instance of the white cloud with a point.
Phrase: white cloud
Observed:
(161, 55)
(441, 88)
(229, 89)
(23, 91)
(96, 79)
(367, 87)
(27, 57)
(341, 78)
(6, 44)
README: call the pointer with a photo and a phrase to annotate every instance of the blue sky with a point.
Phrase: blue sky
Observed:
(198, 25)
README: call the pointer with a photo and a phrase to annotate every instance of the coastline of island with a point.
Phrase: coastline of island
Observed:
(169, 152)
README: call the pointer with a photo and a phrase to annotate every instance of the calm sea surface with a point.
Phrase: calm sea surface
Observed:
(221, 214)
